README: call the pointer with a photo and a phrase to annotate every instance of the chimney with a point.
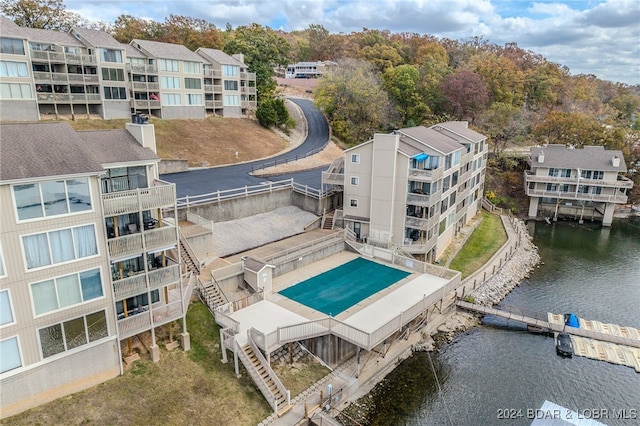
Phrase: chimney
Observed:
(615, 161)
(142, 131)
(541, 157)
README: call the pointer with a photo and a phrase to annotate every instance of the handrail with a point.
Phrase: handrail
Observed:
(190, 251)
(284, 256)
(257, 378)
(272, 375)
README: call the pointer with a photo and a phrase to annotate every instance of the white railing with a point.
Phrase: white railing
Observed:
(618, 197)
(134, 324)
(272, 375)
(257, 378)
(227, 271)
(202, 226)
(164, 276)
(422, 174)
(333, 178)
(129, 287)
(125, 245)
(167, 313)
(287, 255)
(131, 201)
(160, 237)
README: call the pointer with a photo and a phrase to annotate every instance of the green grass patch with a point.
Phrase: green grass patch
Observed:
(483, 243)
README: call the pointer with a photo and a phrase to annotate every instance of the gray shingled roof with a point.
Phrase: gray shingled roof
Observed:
(254, 264)
(436, 140)
(98, 38)
(10, 29)
(218, 56)
(132, 52)
(162, 50)
(115, 146)
(461, 128)
(589, 158)
(31, 150)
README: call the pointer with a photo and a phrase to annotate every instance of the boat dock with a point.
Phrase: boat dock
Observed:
(604, 351)
(605, 342)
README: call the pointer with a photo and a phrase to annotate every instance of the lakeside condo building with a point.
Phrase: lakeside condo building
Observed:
(576, 183)
(89, 257)
(412, 189)
(87, 73)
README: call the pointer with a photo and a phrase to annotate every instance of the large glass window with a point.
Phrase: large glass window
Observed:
(194, 99)
(192, 83)
(68, 290)
(115, 93)
(113, 74)
(230, 70)
(13, 69)
(169, 65)
(191, 67)
(9, 354)
(73, 333)
(11, 46)
(110, 55)
(231, 100)
(170, 82)
(171, 99)
(124, 179)
(3, 273)
(15, 91)
(230, 85)
(52, 198)
(59, 246)
(6, 313)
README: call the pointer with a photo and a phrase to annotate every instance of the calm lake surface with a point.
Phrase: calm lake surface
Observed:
(491, 372)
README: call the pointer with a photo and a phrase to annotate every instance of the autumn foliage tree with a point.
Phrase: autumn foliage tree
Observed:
(463, 94)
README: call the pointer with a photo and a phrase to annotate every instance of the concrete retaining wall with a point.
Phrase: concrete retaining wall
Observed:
(308, 258)
(172, 166)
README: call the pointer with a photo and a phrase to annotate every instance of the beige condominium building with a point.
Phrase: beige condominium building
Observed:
(412, 189)
(88, 257)
(576, 183)
(86, 73)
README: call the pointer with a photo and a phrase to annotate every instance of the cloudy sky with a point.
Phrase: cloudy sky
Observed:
(600, 37)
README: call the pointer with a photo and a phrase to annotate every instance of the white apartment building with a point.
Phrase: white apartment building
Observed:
(414, 188)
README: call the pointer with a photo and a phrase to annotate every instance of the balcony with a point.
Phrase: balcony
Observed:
(162, 277)
(418, 199)
(248, 104)
(213, 104)
(332, 178)
(423, 175)
(137, 200)
(247, 75)
(144, 104)
(620, 182)
(420, 246)
(142, 69)
(145, 86)
(143, 321)
(617, 197)
(213, 73)
(133, 243)
(66, 98)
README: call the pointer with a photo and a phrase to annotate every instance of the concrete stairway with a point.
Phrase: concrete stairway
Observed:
(283, 406)
(328, 221)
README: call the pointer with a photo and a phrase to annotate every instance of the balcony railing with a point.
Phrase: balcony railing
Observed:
(140, 104)
(160, 237)
(248, 104)
(213, 104)
(425, 175)
(66, 98)
(125, 245)
(213, 73)
(145, 86)
(161, 277)
(419, 246)
(333, 178)
(620, 182)
(129, 286)
(117, 203)
(417, 199)
(142, 69)
(134, 324)
(618, 197)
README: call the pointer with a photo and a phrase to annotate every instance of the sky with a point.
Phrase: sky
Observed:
(599, 37)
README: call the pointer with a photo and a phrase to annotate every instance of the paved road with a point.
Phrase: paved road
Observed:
(205, 181)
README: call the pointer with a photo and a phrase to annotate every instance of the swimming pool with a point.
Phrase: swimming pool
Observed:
(338, 289)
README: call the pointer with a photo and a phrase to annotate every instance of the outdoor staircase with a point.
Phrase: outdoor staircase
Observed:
(328, 221)
(190, 264)
(214, 296)
(283, 406)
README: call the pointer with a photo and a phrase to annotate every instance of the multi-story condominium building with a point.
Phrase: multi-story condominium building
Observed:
(414, 188)
(230, 90)
(88, 258)
(89, 73)
(576, 183)
(308, 69)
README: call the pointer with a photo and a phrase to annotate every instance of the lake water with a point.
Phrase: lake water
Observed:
(488, 373)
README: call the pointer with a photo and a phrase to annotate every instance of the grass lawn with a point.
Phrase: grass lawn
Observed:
(192, 387)
(483, 243)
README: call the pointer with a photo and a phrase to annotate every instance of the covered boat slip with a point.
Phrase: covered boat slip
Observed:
(279, 320)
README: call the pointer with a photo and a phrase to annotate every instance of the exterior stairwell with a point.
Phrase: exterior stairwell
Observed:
(328, 221)
(189, 260)
(212, 295)
(266, 380)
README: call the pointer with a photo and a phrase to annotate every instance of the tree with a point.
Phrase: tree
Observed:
(402, 85)
(381, 55)
(463, 94)
(503, 124)
(503, 80)
(273, 112)
(263, 50)
(43, 14)
(191, 32)
(352, 97)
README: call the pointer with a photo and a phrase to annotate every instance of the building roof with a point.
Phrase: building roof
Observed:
(461, 128)
(218, 56)
(255, 265)
(32, 150)
(132, 52)
(588, 158)
(432, 138)
(115, 146)
(98, 38)
(159, 49)
(10, 29)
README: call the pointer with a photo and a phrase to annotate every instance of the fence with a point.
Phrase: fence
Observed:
(280, 161)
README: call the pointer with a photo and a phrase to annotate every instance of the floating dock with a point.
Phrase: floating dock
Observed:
(600, 350)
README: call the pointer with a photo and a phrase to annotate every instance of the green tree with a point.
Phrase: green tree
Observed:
(504, 124)
(352, 97)
(401, 83)
(503, 80)
(43, 14)
(191, 32)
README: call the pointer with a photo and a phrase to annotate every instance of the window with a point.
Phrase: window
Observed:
(191, 67)
(168, 65)
(554, 172)
(442, 227)
(452, 199)
(73, 333)
(115, 93)
(446, 183)
(552, 187)
(124, 179)
(171, 99)
(52, 198)
(443, 206)
(137, 61)
(353, 202)
(9, 354)
(565, 173)
(113, 74)
(13, 69)
(447, 162)
(591, 174)
(230, 85)
(170, 82)
(110, 55)
(59, 246)
(355, 158)
(2, 271)
(6, 313)
(230, 70)
(455, 160)
(355, 180)
(192, 83)
(231, 100)
(194, 99)
(69, 290)
(11, 46)
(15, 91)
